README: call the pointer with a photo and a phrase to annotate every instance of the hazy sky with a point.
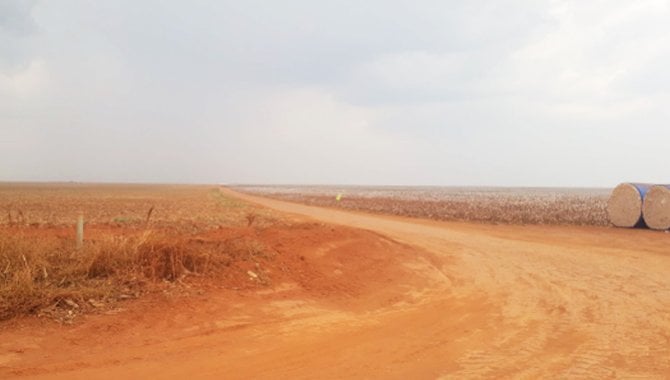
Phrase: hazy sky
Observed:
(510, 93)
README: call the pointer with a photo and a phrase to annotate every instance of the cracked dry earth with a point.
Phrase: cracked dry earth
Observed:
(391, 297)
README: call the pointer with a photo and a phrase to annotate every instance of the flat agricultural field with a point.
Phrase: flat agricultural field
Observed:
(480, 204)
(136, 237)
(215, 283)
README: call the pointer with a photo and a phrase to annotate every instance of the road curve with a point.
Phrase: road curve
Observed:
(566, 302)
(431, 300)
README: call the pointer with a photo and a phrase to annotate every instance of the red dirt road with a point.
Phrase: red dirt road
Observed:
(405, 299)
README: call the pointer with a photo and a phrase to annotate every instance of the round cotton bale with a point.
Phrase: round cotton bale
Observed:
(624, 206)
(656, 207)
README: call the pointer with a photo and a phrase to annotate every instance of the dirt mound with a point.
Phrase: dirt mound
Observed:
(338, 263)
(305, 270)
(117, 264)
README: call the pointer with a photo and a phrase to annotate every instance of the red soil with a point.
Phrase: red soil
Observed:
(368, 296)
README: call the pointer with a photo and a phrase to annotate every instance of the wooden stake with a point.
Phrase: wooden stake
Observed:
(80, 231)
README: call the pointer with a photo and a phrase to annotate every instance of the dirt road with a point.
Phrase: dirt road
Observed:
(409, 299)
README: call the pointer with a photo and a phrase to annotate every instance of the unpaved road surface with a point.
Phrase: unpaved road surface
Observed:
(406, 299)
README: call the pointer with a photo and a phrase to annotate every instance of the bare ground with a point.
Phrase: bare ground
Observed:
(369, 296)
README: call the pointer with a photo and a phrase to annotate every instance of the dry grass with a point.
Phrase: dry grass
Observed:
(50, 273)
(137, 238)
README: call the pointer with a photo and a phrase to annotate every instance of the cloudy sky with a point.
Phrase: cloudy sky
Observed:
(507, 93)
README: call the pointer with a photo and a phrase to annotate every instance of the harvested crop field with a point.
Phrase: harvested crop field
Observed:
(480, 204)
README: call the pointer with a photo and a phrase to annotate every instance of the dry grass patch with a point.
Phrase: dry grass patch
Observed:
(138, 238)
(50, 275)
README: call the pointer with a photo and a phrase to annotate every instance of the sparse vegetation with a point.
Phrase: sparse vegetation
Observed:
(189, 208)
(128, 250)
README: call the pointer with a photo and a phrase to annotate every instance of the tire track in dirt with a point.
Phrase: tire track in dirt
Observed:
(572, 308)
(407, 298)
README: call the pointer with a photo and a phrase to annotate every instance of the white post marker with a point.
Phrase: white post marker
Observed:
(80, 231)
